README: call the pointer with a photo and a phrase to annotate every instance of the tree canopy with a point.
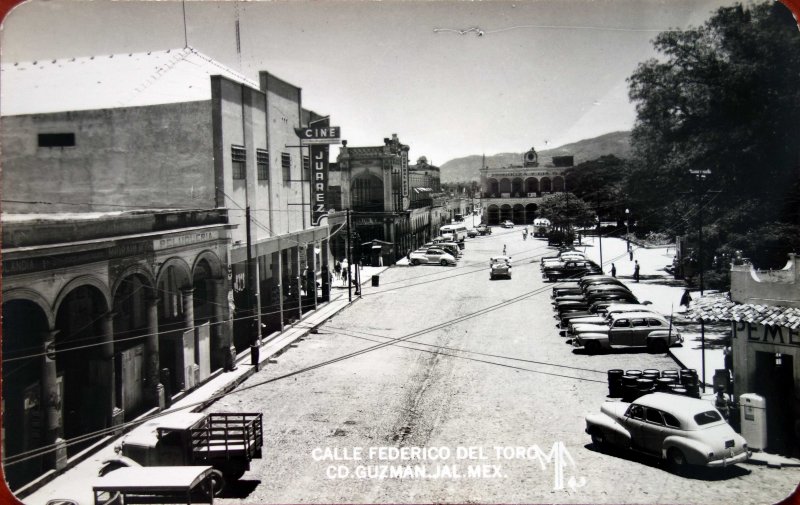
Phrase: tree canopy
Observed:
(723, 97)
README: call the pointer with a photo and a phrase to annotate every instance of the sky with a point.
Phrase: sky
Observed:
(524, 73)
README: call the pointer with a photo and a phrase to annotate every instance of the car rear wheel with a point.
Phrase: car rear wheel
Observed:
(657, 346)
(415, 262)
(676, 459)
(443, 263)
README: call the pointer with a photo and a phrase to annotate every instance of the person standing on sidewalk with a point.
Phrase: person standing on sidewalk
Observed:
(636, 270)
(613, 271)
(337, 268)
(630, 253)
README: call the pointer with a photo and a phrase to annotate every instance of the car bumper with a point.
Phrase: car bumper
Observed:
(739, 458)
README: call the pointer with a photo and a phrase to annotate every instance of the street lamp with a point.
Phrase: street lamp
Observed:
(628, 228)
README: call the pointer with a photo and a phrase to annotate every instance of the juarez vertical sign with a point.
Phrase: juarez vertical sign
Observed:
(318, 137)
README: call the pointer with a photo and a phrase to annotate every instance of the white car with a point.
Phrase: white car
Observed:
(500, 266)
(435, 256)
(682, 430)
(507, 224)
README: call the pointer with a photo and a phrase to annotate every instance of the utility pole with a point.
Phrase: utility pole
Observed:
(251, 296)
(349, 259)
(599, 230)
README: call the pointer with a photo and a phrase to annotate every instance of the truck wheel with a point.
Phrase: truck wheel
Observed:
(592, 347)
(217, 482)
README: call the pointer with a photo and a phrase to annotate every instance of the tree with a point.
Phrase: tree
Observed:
(565, 210)
(725, 97)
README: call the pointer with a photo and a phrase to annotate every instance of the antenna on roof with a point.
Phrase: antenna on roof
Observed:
(185, 37)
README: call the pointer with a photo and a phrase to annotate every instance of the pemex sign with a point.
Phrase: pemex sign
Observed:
(318, 137)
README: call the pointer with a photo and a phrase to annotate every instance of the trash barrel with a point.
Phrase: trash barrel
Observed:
(376, 279)
(663, 384)
(671, 373)
(615, 382)
(634, 373)
(644, 386)
(629, 391)
(651, 373)
(678, 389)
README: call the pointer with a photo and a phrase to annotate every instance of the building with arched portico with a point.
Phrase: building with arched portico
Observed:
(126, 275)
(515, 192)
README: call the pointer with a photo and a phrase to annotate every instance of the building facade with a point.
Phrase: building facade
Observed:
(390, 202)
(515, 192)
(130, 200)
(764, 313)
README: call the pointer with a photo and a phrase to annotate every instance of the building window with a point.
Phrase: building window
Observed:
(286, 166)
(56, 140)
(306, 166)
(238, 158)
(262, 161)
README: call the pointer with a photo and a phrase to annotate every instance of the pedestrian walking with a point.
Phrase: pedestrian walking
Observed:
(504, 249)
(686, 299)
(630, 253)
(613, 271)
(636, 271)
(337, 268)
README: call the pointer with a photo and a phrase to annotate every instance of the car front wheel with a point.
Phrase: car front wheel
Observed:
(598, 439)
(415, 262)
(443, 263)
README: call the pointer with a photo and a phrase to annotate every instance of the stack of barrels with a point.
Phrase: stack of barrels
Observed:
(631, 384)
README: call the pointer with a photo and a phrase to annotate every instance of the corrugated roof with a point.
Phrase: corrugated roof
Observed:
(718, 307)
(110, 81)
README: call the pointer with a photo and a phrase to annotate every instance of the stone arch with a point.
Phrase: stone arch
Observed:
(180, 265)
(494, 186)
(517, 186)
(493, 215)
(545, 185)
(366, 192)
(82, 280)
(505, 212)
(505, 185)
(27, 420)
(213, 262)
(518, 214)
(33, 297)
(531, 185)
(137, 269)
(530, 212)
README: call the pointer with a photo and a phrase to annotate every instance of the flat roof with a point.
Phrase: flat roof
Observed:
(110, 81)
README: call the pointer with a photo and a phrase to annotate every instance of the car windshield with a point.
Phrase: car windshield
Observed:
(708, 417)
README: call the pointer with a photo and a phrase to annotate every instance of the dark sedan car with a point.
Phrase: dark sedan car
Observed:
(571, 270)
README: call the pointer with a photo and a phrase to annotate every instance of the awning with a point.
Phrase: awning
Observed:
(718, 307)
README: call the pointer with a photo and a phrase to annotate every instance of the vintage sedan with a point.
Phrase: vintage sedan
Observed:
(629, 329)
(472, 233)
(432, 255)
(500, 266)
(682, 430)
(507, 224)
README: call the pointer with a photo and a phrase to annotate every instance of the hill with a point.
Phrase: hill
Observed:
(468, 168)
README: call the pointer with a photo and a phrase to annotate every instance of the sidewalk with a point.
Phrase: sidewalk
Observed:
(75, 483)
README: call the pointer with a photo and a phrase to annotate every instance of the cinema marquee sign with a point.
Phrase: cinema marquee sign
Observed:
(318, 138)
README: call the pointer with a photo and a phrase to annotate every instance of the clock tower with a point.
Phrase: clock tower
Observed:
(531, 159)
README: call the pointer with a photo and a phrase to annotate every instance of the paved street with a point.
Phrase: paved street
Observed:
(476, 365)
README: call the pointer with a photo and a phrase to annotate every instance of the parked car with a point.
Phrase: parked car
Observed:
(635, 329)
(507, 224)
(472, 233)
(226, 441)
(483, 229)
(682, 430)
(431, 255)
(571, 270)
(500, 266)
(603, 316)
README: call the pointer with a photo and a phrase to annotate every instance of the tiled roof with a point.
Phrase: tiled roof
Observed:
(110, 81)
(718, 307)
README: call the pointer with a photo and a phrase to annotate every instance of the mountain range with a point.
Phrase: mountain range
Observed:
(467, 168)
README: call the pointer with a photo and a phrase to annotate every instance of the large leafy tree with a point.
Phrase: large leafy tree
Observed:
(565, 210)
(723, 97)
